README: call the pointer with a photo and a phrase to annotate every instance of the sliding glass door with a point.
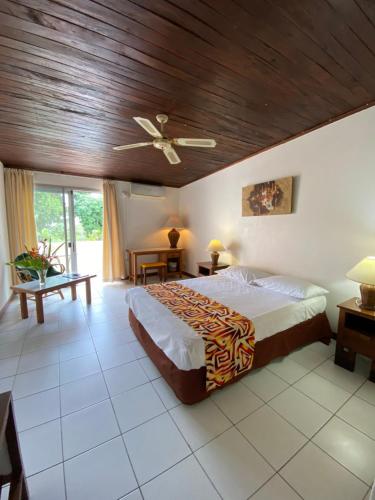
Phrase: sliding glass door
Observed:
(72, 218)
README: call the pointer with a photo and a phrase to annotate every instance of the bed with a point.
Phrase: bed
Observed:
(282, 323)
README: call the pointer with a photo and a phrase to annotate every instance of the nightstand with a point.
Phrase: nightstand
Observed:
(208, 269)
(355, 335)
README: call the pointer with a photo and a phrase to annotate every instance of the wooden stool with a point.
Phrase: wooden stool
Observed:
(160, 266)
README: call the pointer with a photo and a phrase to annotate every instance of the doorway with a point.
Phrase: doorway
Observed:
(73, 218)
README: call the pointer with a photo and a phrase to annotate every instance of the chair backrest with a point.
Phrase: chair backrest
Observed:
(25, 274)
(30, 274)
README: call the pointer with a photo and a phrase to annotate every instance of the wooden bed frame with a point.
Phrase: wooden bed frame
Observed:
(190, 385)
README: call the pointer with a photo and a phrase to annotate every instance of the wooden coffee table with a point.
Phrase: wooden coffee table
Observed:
(52, 284)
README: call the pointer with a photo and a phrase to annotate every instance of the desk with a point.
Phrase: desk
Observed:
(166, 255)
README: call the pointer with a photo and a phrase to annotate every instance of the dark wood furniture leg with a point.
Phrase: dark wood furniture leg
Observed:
(135, 270)
(345, 357)
(8, 434)
(74, 292)
(39, 308)
(23, 305)
(88, 291)
(372, 371)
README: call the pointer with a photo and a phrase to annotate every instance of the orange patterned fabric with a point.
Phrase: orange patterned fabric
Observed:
(228, 336)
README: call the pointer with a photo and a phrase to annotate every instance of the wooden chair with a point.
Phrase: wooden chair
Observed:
(161, 267)
(25, 275)
(11, 467)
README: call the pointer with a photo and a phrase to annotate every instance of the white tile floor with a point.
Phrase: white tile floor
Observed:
(96, 421)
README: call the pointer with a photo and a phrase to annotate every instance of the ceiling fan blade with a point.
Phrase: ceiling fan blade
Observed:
(197, 143)
(131, 146)
(148, 126)
(172, 156)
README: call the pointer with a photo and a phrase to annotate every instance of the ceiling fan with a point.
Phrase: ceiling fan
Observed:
(163, 142)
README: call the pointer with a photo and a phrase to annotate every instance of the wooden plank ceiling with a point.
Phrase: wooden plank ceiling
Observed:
(249, 74)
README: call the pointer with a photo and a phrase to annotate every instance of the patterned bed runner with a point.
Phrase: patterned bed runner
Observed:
(228, 336)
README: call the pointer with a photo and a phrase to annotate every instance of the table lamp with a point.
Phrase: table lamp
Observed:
(173, 222)
(364, 273)
(215, 246)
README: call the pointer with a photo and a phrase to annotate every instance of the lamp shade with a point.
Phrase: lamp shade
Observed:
(364, 271)
(215, 246)
(174, 221)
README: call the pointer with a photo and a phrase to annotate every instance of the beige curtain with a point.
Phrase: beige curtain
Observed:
(19, 199)
(113, 259)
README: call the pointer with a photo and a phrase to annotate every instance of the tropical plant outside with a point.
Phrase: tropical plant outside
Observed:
(49, 216)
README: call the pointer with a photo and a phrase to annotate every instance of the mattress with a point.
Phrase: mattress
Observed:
(270, 312)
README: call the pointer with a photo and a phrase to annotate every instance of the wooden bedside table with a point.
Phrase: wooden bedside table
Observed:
(355, 335)
(207, 269)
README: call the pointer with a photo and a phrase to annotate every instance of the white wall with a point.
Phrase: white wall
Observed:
(142, 219)
(4, 246)
(333, 224)
(73, 181)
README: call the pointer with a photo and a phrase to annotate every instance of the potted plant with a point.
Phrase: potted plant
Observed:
(37, 259)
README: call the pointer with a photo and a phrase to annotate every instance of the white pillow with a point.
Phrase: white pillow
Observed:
(244, 274)
(288, 285)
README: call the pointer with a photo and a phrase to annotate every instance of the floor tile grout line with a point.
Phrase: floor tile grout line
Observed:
(367, 493)
(72, 381)
(260, 453)
(233, 425)
(178, 429)
(60, 419)
(341, 464)
(317, 402)
(309, 439)
(298, 380)
(353, 426)
(118, 423)
(289, 385)
(62, 442)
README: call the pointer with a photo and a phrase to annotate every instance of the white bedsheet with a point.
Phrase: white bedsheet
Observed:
(270, 312)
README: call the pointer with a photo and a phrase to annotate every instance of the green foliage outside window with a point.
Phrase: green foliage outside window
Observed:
(89, 210)
(49, 215)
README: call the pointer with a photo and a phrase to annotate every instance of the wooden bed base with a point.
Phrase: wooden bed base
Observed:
(190, 385)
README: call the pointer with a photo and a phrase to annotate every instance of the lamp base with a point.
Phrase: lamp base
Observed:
(215, 258)
(367, 297)
(173, 237)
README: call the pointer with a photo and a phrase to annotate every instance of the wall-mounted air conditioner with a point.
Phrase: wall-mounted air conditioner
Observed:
(146, 191)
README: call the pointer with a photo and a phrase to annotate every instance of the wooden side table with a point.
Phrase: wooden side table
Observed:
(355, 335)
(208, 269)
